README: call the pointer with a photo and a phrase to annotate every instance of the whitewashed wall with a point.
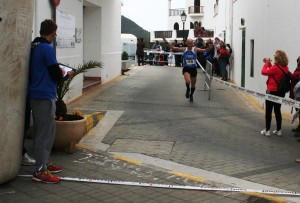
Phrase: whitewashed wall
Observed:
(100, 22)
(206, 19)
(109, 29)
(270, 29)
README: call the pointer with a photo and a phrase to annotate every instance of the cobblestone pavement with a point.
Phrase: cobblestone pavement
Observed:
(221, 135)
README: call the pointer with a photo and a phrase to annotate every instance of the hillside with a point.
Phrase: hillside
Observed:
(130, 27)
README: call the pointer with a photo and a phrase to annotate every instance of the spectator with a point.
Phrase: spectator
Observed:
(209, 55)
(166, 49)
(156, 47)
(177, 56)
(215, 61)
(200, 56)
(27, 160)
(295, 78)
(140, 51)
(44, 74)
(224, 61)
(275, 75)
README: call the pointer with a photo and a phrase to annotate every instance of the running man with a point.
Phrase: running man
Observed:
(189, 65)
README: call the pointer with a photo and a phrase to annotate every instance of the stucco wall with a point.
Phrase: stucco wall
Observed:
(100, 21)
(271, 28)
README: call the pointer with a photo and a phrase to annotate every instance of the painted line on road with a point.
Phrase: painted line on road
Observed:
(203, 175)
(268, 197)
(123, 158)
(188, 176)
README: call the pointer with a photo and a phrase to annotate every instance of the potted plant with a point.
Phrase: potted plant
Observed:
(125, 61)
(70, 128)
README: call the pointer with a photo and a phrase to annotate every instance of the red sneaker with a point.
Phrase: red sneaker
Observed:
(54, 168)
(45, 177)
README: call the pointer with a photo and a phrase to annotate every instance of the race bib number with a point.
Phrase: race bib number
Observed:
(190, 61)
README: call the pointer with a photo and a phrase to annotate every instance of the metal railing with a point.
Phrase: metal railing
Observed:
(176, 12)
(182, 33)
(196, 9)
(160, 34)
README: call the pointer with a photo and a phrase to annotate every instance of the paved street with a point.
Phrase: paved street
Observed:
(152, 133)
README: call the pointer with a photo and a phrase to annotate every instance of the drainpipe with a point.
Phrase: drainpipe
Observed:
(231, 23)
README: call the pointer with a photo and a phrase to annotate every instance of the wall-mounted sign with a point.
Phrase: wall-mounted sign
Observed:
(65, 29)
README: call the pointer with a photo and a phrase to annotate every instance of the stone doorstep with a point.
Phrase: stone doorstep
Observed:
(89, 83)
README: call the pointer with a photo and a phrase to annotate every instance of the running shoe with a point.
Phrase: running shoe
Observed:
(187, 93)
(45, 177)
(54, 168)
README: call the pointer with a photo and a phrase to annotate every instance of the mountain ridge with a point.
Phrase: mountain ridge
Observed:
(130, 27)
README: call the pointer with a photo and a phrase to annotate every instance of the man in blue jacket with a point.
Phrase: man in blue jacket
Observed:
(44, 75)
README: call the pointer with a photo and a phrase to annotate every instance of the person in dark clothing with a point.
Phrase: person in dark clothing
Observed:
(200, 56)
(177, 57)
(295, 78)
(166, 49)
(27, 160)
(140, 51)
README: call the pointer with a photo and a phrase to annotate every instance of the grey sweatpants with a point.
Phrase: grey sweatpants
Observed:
(43, 113)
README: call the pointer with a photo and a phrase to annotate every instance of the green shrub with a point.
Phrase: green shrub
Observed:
(124, 55)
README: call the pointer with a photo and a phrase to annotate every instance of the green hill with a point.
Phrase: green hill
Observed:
(130, 27)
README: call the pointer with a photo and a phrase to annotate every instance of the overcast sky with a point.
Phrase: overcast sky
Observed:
(150, 14)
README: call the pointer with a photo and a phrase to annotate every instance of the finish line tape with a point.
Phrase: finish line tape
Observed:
(280, 100)
(269, 97)
(183, 187)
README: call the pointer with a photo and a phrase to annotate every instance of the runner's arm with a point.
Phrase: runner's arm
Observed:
(171, 46)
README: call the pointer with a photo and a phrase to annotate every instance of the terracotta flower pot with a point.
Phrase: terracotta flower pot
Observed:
(68, 134)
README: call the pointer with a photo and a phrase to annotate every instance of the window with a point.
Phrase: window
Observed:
(252, 58)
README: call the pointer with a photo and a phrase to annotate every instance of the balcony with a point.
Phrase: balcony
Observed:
(176, 12)
(196, 11)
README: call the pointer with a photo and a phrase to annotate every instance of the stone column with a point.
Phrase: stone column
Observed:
(16, 18)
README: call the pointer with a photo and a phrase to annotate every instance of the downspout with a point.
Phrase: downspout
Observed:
(53, 17)
(231, 23)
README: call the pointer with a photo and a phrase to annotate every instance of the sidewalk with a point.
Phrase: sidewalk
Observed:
(104, 166)
(144, 138)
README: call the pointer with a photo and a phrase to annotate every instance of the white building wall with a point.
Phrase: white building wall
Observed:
(111, 39)
(220, 20)
(206, 19)
(101, 29)
(271, 29)
(72, 56)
